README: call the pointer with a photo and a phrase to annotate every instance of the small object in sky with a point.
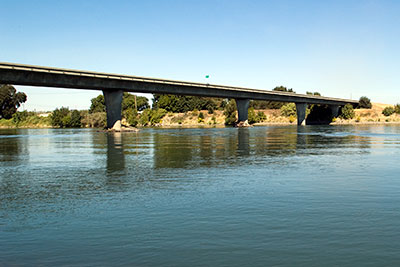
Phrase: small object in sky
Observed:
(207, 76)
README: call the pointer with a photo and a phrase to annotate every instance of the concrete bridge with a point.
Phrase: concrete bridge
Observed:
(113, 86)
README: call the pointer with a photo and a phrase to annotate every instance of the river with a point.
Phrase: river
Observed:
(261, 196)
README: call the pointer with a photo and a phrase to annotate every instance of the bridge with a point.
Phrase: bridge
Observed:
(113, 86)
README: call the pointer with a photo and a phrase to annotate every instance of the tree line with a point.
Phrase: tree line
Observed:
(136, 110)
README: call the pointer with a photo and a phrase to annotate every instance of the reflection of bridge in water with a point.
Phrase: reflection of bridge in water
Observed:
(113, 86)
(177, 148)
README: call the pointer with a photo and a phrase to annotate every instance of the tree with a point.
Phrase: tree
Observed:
(10, 100)
(289, 110)
(397, 108)
(347, 112)
(183, 103)
(128, 102)
(388, 111)
(264, 104)
(230, 113)
(64, 118)
(364, 102)
(98, 104)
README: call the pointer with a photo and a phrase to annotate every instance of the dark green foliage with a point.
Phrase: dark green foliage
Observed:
(182, 103)
(151, 116)
(64, 118)
(230, 113)
(252, 117)
(128, 102)
(261, 116)
(364, 102)
(347, 112)
(19, 117)
(388, 111)
(315, 93)
(397, 108)
(98, 104)
(10, 100)
(263, 104)
(75, 119)
(131, 116)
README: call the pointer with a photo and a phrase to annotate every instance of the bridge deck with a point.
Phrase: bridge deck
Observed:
(20, 74)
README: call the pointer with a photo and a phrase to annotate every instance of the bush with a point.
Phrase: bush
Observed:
(261, 116)
(364, 102)
(64, 118)
(347, 112)
(252, 117)
(152, 117)
(95, 120)
(289, 110)
(200, 118)
(388, 111)
(230, 113)
(397, 108)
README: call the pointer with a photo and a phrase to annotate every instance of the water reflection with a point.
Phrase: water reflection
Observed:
(212, 147)
(115, 153)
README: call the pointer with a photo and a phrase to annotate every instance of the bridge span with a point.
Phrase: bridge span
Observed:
(113, 86)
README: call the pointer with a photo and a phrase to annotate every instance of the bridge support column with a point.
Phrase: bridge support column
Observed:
(243, 111)
(301, 113)
(334, 110)
(113, 100)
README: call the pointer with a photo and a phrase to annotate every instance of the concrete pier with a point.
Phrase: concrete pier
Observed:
(113, 100)
(243, 111)
(301, 113)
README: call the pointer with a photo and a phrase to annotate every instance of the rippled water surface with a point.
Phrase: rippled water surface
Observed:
(307, 196)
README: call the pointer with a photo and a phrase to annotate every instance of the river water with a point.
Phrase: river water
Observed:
(262, 196)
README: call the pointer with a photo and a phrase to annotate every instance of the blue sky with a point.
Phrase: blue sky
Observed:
(338, 48)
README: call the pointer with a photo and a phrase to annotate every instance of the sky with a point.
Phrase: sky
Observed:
(344, 49)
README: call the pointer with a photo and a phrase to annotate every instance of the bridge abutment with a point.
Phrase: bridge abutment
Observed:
(242, 105)
(301, 113)
(113, 100)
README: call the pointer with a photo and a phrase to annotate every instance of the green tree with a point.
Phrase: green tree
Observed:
(128, 102)
(388, 111)
(252, 117)
(397, 108)
(347, 112)
(75, 119)
(10, 100)
(183, 103)
(98, 104)
(64, 118)
(230, 113)
(289, 110)
(264, 104)
(364, 102)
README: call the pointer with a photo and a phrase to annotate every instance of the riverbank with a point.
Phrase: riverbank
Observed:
(217, 118)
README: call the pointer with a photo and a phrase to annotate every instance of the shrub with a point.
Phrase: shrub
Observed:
(95, 120)
(347, 112)
(364, 102)
(200, 118)
(261, 116)
(397, 108)
(252, 117)
(388, 111)
(230, 113)
(288, 110)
